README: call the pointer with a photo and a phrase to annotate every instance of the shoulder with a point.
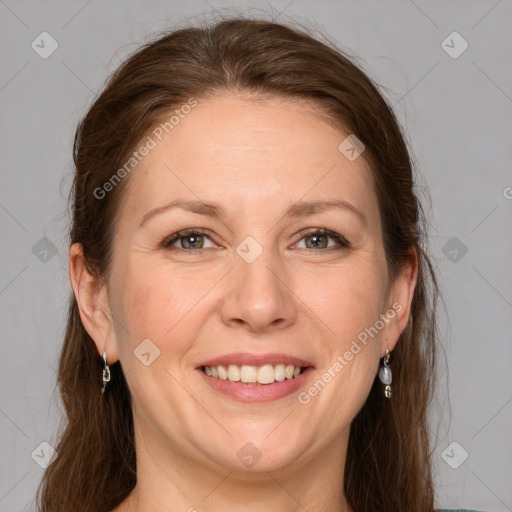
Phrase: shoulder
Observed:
(455, 510)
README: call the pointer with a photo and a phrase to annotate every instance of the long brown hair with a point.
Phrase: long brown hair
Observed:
(388, 466)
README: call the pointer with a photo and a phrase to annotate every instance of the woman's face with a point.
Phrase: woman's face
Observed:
(253, 284)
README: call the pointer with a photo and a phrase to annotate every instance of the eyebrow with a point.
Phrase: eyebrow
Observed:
(215, 210)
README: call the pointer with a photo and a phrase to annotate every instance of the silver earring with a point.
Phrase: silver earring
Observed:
(385, 374)
(105, 376)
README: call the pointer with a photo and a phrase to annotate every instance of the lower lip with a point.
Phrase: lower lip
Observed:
(249, 393)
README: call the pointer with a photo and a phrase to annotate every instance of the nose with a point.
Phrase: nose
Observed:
(258, 297)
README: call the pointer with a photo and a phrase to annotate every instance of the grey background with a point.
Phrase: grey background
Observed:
(456, 113)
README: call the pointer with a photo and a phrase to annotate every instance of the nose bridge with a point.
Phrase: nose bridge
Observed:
(258, 294)
(257, 267)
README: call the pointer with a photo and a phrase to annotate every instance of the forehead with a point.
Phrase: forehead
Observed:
(251, 154)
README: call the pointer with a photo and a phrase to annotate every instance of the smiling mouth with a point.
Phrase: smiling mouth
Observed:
(254, 375)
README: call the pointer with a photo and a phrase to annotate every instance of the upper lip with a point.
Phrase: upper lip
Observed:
(241, 358)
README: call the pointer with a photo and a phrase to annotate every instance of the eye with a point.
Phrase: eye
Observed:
(191, 240)
(319, 239)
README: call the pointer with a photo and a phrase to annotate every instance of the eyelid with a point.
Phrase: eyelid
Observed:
(338, 237)
(342, 242)
(171, 239)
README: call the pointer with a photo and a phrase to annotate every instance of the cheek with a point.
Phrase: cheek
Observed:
(163, 307)
(155, 303)
(346, 299)
(348, 305)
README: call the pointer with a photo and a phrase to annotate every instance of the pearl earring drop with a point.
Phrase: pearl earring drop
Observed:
(385, 374)
(105, 374)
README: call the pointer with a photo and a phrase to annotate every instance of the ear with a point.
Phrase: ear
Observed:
(400, 300)
(91, 296)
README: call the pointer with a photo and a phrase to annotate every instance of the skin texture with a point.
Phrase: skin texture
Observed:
(255, 158)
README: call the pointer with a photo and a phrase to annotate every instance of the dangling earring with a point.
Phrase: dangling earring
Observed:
(385, 374)
(105, 376)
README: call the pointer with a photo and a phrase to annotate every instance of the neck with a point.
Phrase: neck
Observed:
(178, 481)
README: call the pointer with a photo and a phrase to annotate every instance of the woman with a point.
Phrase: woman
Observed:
(246, 256)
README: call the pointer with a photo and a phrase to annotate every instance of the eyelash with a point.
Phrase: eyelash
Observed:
(342, 242)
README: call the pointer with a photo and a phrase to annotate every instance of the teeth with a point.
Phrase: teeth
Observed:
(279, 372)
(233, 372)
(248, 373)
(223, 374)
(266, 374)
